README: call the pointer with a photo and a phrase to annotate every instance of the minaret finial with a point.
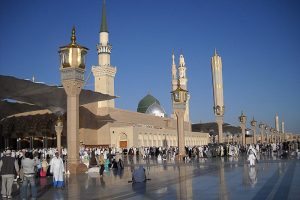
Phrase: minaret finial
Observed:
(104, 27)
(181, 59)
(173, 57)
(216, 52)
(73, 37)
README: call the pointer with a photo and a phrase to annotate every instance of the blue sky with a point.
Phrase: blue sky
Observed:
(258, 41)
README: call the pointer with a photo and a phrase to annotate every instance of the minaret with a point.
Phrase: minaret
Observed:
(174, 73)
(216, 69)
(104, 73)
(183, 84)
(276, 122)
(174, 81)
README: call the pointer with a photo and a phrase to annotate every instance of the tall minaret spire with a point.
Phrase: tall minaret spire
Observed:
(182, 72)
(104, 27)
(174, 73)
(183, 83)
(277, 122)
(282, 126)
(216, 69)
(104, 73)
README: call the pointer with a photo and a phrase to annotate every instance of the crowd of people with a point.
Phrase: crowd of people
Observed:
(25, 165)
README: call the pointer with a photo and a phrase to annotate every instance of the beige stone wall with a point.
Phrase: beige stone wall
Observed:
(138, 136)
(124, 133)
(134, 118)
(87, 136)
(109, 126)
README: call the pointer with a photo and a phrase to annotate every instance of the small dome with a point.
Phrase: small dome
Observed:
(156, 109)
(150, 105)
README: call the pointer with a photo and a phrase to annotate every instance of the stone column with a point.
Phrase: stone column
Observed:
(254, 134)
(180, 131)
(180, 97)
(18, 143)
(271, 135)
(220, 120)
(31, 142)
(243, 127)
(280, 138)
(266, 133)
(73, 89)
(46, 141)
(243, 120)
(6, 142)
(253, 125)
(58, 130)
(261, 128)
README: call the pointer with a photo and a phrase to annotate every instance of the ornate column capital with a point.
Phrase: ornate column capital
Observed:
(73, 87)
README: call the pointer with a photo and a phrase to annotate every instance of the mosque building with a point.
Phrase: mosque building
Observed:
(149, 126)
(102, 124)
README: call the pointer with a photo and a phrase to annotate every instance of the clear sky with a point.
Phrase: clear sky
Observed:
(258, 40)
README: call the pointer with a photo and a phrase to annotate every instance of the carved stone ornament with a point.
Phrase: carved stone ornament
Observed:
(72, 87)
(72, 74)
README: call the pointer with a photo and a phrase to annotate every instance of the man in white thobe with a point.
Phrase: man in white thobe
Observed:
(251, 156)
(57, 169)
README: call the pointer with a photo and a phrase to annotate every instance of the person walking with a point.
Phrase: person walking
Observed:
(120, 164)
(44, 169)
(28, 165)
(57, 169)
(101, 164)
(8, 168)
(252, 156)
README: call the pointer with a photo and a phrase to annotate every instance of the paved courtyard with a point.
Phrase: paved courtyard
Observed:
(212, 178)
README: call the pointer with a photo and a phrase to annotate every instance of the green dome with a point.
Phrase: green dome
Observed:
(146, 102)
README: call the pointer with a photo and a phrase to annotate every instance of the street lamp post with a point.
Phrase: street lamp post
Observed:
(58, 130)
(227, 138)
(72, 68)
(243, 120)
(267, 128)
(253, 124)
(238, 139)
(18, 143)
(31, 142)
(272, 135)
(261, 127)
(180, 97)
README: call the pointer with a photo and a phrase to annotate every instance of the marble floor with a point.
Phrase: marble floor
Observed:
(212, 178)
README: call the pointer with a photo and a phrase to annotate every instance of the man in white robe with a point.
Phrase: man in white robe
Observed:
(251, 156)
(57, 169)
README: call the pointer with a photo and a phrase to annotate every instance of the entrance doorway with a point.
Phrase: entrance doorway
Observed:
(123, 144)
